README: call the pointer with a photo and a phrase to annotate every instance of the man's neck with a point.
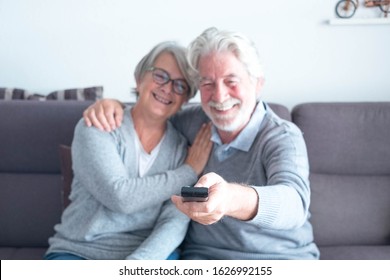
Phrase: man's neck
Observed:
(228, 136)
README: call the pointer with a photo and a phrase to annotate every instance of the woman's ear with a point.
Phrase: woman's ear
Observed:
(137, 83)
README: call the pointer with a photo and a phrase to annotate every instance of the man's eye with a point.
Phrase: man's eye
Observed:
(206, 84)
(231, 82)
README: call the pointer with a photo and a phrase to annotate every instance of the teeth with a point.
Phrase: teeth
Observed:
(162, 100)
(222, 107)
(227, 105)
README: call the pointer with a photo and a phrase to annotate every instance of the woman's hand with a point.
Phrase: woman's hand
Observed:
(104, 114)
(199, 152)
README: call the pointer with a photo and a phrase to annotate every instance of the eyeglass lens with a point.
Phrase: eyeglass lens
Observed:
(161, 77)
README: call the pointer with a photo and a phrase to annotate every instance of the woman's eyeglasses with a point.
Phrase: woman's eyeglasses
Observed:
(162, 77)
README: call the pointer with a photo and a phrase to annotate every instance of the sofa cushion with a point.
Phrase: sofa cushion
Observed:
(30, 205)
(350, 210)
(355, 252)
(30, 178)
(346, 138)
(34, 131)
(349, 154)
(23, 253)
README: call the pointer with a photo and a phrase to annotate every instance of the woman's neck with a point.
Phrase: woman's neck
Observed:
(150, 130)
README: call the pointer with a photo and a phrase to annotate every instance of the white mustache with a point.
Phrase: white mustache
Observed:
(224, 105)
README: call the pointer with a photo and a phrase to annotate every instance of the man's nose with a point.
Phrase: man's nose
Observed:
(221, 92)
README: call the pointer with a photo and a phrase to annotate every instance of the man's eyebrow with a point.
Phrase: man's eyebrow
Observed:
(205, 79)
(224, 77)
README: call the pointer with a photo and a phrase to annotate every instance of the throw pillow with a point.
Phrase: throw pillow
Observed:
(89, 93)
(67, 173)
(13, 93)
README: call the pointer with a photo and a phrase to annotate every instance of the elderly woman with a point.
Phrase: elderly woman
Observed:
(123, 180)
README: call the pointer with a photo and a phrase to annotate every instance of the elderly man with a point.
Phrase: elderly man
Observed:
(257, 174)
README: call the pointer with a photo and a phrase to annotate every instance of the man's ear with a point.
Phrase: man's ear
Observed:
(259, 85)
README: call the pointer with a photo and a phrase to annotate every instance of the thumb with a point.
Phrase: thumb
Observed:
(209, 180)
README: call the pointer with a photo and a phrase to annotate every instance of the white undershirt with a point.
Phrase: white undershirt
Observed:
(145, 160)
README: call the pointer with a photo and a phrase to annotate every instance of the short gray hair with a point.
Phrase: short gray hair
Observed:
(178, 52)
(214, 40)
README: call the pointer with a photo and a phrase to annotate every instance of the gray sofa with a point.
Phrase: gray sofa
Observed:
(349, 154)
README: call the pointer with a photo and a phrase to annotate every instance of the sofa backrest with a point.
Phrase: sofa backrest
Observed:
(30, 179)
(280, 110)
(349, 154)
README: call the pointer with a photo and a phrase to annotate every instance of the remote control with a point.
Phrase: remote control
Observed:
(199, 194)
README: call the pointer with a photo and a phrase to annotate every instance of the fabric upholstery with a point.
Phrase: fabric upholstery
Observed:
(13, 94)
(91, 93)
(346, 138)
(280, 110)
(355, 252)
(349, 154)
(30, 177)
(88, 93)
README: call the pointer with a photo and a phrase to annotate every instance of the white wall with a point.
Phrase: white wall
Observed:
(47, 45)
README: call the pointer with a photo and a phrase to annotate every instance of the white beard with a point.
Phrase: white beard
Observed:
(227, 123)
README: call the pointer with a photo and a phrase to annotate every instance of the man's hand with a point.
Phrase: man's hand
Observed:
(104, 114)
(230, 199)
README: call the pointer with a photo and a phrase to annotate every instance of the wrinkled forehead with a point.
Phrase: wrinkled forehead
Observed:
(220, 64)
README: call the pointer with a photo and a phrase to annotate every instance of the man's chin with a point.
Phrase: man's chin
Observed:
(228, 126)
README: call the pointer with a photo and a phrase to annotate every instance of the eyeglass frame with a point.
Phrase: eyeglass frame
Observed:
(152, 69)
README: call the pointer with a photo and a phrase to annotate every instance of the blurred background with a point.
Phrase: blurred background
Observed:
(48, 45)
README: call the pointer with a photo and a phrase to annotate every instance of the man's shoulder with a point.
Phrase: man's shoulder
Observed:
(191, 108)
(189, 120)
(274, 127)
(191, 112)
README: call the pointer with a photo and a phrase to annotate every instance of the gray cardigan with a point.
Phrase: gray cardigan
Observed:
(114, 214)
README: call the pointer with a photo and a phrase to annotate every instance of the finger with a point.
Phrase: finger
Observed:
(188, 208)
(95, 122)
(206, 139)
(178, 201)
(109, 116)
(118, 117)
(198, 135)
(87, 121)
(197, 211)
(101, 117)
(209, 180)
(203, 136)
